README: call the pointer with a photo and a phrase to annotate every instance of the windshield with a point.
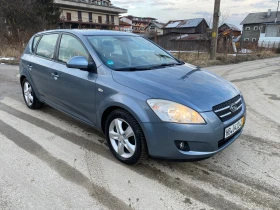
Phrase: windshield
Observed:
(130, 53)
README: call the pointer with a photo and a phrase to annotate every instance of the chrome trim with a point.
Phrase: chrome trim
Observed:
(222, 109)
(226, 114)
(237, 101)
(239, 107)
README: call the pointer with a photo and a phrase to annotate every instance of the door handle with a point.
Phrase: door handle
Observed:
(55, 75)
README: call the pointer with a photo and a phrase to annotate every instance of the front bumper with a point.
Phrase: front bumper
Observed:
(203, 140)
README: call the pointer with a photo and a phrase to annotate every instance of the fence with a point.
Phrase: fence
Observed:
(202, 44)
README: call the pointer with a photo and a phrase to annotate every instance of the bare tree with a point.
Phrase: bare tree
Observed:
(209, 19)
(224, 17)
(28, 16)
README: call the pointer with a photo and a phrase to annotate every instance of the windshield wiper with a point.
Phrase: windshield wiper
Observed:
(148, 67)
(166, 65)
(133, 69)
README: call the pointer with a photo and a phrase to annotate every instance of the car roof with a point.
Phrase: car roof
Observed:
(90, 32)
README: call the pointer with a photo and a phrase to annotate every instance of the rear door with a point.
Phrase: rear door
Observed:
(73, 90)
(41, 61)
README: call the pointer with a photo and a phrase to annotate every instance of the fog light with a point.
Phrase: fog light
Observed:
(182, 145)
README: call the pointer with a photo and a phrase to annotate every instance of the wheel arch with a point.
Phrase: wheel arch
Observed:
(137, 108)
(22, 77)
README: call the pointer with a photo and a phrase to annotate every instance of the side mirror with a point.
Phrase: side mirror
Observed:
(78, 62)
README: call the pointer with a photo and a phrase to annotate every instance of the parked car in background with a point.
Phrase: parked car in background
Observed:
(146, 101)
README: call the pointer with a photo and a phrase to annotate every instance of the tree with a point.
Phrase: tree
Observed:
(28, 16)
(224, 17)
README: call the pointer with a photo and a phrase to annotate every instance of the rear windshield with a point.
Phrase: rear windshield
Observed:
(124, 52)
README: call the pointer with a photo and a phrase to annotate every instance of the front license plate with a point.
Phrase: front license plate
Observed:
(231, 130)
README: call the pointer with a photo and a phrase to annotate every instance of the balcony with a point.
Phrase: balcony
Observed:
(89, 5)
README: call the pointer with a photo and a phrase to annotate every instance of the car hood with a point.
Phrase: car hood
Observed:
(186, 84)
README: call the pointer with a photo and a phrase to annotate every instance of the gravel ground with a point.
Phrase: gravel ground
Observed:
(50, 161)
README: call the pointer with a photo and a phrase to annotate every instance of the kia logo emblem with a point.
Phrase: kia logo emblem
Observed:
(233, 108)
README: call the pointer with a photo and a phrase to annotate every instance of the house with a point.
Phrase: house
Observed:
(125, 26)
(228, 39)
(155, 27)
(260, 25)
(189, 26)
(98, 14)
(139, 24)
(227, 29)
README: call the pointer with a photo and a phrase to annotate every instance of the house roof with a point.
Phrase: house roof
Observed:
(122, 23)
(157, 24)
(188, 23)
(231, 26)
(260, 17)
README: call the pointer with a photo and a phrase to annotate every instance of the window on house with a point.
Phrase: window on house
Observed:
(107, 18)
(247, 28)
(79, 16)
(246, 39)
(90, 16)
(46, 45)
(68, 16)
(263, 28)
(99, 19)
(254, 39)
(256, 28)
(112, 18)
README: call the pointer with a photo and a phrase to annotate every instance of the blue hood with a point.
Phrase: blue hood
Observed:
(187, 85)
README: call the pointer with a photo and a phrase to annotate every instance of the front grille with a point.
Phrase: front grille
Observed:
(228, 109)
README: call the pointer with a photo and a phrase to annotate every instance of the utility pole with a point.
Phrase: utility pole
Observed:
(216, 17)
(277, 13)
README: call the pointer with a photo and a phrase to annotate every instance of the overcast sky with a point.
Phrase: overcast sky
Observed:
(165, 10)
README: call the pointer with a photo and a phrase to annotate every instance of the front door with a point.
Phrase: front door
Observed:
(73, 90)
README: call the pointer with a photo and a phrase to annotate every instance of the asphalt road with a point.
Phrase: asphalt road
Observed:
(50, 161)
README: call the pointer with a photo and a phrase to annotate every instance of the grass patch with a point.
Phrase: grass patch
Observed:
(10, 52)
(204, 58)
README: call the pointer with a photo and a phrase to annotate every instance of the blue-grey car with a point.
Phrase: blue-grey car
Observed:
(147, 102)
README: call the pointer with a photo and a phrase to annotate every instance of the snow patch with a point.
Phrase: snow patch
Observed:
(6, 59)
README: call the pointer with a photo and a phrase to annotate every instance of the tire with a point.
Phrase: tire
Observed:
(29, 95)
(127, 141)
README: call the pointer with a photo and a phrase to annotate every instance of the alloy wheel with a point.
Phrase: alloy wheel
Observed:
(122, 138)
(28, 94)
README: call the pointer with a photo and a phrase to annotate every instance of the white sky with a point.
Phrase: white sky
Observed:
(165, 10)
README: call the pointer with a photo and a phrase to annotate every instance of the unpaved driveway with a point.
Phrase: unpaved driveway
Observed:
(50, 161)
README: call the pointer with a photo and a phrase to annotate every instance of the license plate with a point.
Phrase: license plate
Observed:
(234, 128)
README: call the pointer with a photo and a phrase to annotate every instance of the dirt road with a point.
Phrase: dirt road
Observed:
(50, 161)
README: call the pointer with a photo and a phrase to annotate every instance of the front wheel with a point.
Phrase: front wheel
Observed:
(125, 137)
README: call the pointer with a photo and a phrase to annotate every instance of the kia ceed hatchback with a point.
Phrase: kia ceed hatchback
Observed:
(147, 102)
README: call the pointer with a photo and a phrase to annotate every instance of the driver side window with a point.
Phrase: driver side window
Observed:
(69, 48)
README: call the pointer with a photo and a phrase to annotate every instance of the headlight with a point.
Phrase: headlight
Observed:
(169, 111)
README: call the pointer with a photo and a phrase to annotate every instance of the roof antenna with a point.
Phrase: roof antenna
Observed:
(277, 12)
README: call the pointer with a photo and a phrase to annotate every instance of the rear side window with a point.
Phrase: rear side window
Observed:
(46, 45)
(69, 48)
(35, 41)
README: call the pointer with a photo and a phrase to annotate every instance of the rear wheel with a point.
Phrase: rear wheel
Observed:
(125, 137)
(29, 96)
